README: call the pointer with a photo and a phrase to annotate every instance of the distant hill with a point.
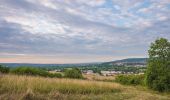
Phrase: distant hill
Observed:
(129, 61)
(46, 65)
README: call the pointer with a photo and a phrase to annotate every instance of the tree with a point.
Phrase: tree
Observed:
(158, 70)
(73, 73)
(4, 69)
(34, 72)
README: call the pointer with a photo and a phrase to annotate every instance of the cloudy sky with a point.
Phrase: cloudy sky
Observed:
(75, 31)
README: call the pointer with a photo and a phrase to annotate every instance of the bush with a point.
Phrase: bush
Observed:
(34, 72)
(29, 71)
(73, 73)
(58, 75)
(4, 69)
(130, 79)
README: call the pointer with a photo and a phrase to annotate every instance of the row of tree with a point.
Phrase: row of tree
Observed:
(68, 73)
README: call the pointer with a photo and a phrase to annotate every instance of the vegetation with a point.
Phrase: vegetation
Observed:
(53, 75)
(158, 71)
(130, 79)
(73, 73)
(97, 68)
(98, 77)
(20, 87)
(34, 71)
(25, 83)
(4, 69)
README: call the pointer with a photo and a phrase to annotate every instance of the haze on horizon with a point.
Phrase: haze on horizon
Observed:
(79, 31)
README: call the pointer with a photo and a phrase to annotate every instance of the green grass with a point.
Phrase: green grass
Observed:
(14, 87)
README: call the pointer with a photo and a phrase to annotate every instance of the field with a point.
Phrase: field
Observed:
(14, 87)
(98, 77)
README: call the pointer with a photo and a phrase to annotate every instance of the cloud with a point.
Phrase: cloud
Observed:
(127, 4)
(92, 3)
(112, 29)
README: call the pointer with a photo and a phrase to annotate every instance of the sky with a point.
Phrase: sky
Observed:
(80, 31)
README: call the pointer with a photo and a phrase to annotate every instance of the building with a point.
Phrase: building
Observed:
(110, 73)
(88, 72)
(57, 70)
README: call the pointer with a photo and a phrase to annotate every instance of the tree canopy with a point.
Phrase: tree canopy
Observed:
(158, 71)
(73, 73)
(4, 69)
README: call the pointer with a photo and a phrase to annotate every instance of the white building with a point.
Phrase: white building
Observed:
(87, 71)
(110, 73)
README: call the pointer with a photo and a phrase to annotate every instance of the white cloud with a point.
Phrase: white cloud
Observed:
(127, 4)
(38, 24)
(143, 10)
(92, 3)
(92, 27)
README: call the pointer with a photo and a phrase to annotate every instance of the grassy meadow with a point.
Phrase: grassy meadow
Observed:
(18, 87)
(98, 77)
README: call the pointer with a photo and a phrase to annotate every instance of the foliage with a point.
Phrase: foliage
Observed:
(130, 79)
(29, 71)
(106, 67)
(158, 71)
(4, 69)
(73, 73)
(97, 68)
(58, 75)
(34, 72)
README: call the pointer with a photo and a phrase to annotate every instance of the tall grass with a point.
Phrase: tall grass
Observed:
(15, 87)
(20, 84)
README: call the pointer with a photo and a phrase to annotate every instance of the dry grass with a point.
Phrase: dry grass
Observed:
(98, 77)
(13, 87)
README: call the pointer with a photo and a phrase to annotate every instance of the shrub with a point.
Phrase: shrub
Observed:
(4, 69)
(34, 72)
(130, 79)
(58, 75)
(29, 71)
(73, 73)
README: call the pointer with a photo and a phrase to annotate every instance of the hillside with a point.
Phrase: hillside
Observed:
(131, 60)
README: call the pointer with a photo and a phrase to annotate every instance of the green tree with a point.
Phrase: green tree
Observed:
(158, 70)
(34, 72)
(73, 73)
(4, 69)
